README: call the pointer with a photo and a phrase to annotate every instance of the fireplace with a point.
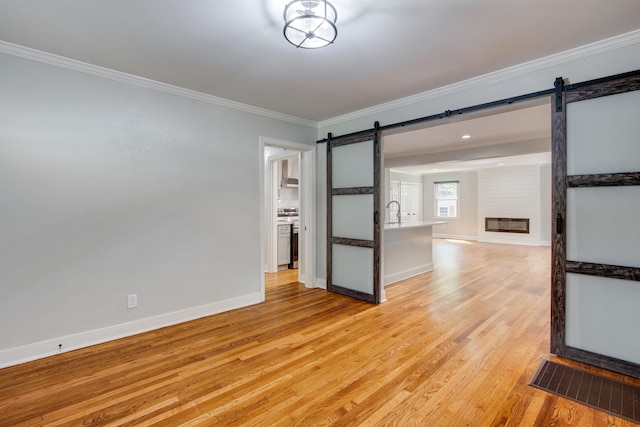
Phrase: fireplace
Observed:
(507, 225)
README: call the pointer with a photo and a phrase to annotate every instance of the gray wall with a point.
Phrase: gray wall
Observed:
(109, 189)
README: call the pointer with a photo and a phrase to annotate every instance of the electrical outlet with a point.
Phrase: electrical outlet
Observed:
(132, 301)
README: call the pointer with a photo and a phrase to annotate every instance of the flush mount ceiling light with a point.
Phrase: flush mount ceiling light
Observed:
(310, 24)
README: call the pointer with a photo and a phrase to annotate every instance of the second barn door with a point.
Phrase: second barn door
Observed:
(596, 255)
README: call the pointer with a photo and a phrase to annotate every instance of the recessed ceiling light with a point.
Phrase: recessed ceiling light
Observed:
(500, 164)
(466, 136)
(435, 169)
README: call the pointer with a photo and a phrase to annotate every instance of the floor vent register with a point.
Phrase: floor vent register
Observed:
(612, 396)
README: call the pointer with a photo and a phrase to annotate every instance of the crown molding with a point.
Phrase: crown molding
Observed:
(83, 67)
(493, 77)
(496, 76)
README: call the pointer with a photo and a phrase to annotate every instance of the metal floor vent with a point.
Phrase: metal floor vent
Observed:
(612, 396)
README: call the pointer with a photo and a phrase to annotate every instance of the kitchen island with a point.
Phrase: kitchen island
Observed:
(407, 249)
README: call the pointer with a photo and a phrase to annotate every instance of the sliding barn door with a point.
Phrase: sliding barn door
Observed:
(595, 310)
(353, 225)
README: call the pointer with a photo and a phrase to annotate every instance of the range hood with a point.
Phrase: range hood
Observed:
(289, 172)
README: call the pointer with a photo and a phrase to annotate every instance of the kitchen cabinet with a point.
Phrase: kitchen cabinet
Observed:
(284, 244)
(407, 249)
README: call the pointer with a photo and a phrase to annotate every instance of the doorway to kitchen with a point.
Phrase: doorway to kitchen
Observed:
(287, 174)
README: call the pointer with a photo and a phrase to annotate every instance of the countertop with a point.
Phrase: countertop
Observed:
(411, 224)
(287, 220)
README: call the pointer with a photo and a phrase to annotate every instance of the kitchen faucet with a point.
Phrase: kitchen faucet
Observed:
(397, 203)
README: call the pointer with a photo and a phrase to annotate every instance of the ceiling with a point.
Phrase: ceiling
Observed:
(517, 135)
(385, 50)
(478, 164)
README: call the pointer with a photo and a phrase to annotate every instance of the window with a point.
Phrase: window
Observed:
(447, 193)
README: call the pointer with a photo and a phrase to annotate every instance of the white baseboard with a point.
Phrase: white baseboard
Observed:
(41, 349)
(476, 239)
(455, 236)
(321, 283)
(405, 274)
(514, 242)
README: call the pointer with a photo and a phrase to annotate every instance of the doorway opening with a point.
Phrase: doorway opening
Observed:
(287, 175)
(499, 159)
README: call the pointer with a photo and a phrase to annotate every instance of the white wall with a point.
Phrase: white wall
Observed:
(511, 192)
(522, 192)
(405, 177)
(466, 225)
(545, 204)
(109, 189)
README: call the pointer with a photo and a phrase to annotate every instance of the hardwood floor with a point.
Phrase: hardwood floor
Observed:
(453, 347)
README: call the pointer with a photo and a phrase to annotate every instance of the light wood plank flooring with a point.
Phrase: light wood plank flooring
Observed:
(453, 347)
